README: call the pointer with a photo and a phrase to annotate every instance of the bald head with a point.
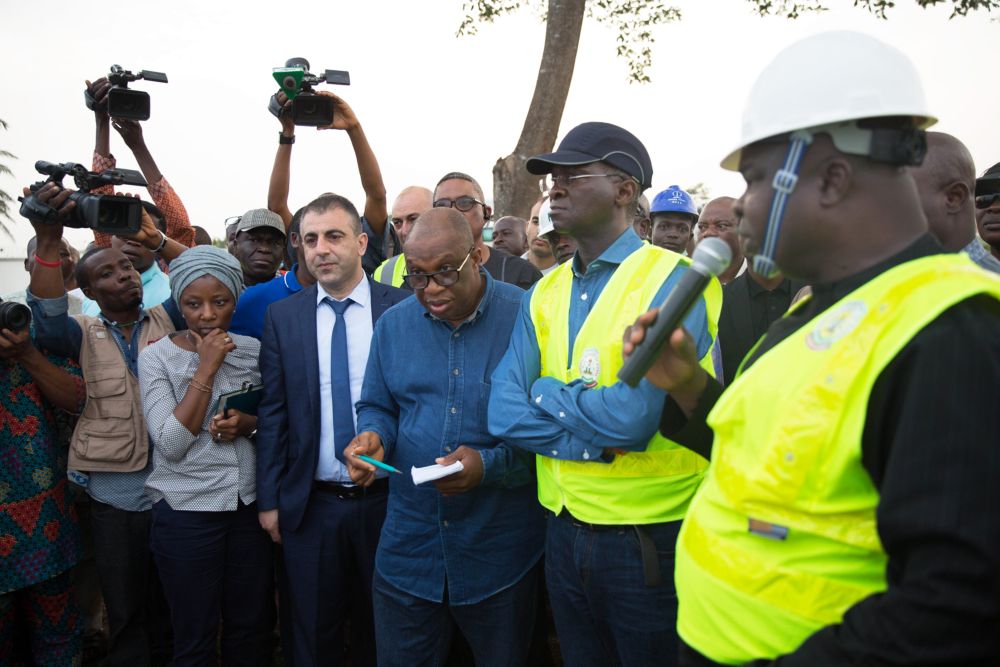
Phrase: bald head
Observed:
(439, 231)
(946, 182)
(409, 204)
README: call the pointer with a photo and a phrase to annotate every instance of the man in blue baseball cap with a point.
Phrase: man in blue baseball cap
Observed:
(674, 216)
(615, 491)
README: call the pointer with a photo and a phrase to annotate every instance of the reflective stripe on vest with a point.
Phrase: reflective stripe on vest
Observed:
(391, 271)
(781, 539)
(638, 487)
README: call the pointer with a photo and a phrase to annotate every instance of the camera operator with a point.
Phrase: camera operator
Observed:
(178, 225)
(382, 239)
(41, 547)
(110, 441)
(143, 249)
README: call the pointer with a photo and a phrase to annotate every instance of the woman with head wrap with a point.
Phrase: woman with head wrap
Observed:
(213, 558)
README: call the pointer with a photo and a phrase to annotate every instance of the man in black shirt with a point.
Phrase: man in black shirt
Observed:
(462, 192)
(851, 517)
(750, 304)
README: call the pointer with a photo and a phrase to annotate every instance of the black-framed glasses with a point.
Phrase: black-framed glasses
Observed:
(463, 203)
(444, 278)
(985, 201)
(563, 181)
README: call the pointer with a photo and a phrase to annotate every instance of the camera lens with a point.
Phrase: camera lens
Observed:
(14, 316)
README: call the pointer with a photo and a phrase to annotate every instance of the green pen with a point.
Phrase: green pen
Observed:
(378, 464)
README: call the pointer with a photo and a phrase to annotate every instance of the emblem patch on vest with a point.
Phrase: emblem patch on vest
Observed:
(590, 367)
(836, 325)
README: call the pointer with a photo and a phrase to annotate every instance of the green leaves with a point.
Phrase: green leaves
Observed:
(5, 199)
(791, 9)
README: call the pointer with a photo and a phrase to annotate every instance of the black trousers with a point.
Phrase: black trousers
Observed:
(216, 566)
(138, 619)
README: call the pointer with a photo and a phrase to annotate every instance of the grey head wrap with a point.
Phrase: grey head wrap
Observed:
(201, 261)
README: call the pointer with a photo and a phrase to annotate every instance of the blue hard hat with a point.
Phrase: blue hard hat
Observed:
(673, 200)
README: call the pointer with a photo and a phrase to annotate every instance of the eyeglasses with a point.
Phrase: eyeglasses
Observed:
(463, 204)
(444, 278)
(563, 181)
(985, 201)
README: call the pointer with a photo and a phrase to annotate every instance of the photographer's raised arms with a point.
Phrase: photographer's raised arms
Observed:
(245, 419)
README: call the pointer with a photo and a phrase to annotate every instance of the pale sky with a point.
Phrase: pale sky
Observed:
(429, 102)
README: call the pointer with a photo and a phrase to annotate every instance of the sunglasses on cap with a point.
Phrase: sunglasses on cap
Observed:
(985, 201)
(463, 203)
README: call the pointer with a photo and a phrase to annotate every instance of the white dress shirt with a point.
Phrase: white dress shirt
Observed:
(358, 319)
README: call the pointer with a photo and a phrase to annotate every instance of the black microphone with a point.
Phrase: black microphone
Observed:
(710, 258)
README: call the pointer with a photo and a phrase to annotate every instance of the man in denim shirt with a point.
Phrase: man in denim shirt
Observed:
(464, 553)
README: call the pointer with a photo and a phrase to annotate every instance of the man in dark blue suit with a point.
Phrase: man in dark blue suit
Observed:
(314, 351)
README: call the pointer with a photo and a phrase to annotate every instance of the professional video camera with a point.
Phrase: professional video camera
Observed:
(297, 83)
(14, 316)
(103, 213)
(123, 102)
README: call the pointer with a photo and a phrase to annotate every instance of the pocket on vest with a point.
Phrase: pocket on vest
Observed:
(98, 447)
(106, 381)
(109, 432)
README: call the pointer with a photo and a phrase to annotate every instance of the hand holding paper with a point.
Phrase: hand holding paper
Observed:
(466, 479)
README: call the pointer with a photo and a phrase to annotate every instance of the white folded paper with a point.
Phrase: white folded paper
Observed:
(433, 472)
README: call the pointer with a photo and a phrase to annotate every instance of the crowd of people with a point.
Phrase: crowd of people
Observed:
(803, 477)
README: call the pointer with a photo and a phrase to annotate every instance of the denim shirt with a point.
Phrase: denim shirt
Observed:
(570, 421)
(61, 334)
(425, 393)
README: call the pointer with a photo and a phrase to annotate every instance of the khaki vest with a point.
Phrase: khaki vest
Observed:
(111, 435)
(782, 538)
(637, 488)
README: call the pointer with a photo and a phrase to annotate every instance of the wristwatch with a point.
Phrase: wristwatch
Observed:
(282, 139)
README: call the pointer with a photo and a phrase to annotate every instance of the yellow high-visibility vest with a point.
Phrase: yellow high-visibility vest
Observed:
(391, 271)
(646, 487)
(781, 538)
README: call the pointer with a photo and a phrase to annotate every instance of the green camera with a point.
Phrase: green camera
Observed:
(296, 82)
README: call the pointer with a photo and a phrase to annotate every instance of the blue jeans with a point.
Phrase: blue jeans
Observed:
(215, 565)
(605, 614)
(411, 631)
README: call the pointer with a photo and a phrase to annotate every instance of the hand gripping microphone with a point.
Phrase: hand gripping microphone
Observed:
(711, 257)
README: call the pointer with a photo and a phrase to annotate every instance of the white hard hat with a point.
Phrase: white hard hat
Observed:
(824, 82)
(545, 219)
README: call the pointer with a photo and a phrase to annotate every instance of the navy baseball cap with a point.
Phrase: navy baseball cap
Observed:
(989, 182)
(598, 142)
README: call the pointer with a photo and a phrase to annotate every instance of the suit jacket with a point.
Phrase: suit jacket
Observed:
(289, 415)
(736, 321)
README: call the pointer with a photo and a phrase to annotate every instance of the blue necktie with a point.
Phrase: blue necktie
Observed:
(340, 380)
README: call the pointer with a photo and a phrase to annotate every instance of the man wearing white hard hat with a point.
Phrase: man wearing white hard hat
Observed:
(848, 513)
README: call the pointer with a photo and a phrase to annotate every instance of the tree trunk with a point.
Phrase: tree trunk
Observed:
(514, 189)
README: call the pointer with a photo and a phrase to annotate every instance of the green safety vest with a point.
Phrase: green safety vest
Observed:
(781, 539)
(637, 488)
(391, 271)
